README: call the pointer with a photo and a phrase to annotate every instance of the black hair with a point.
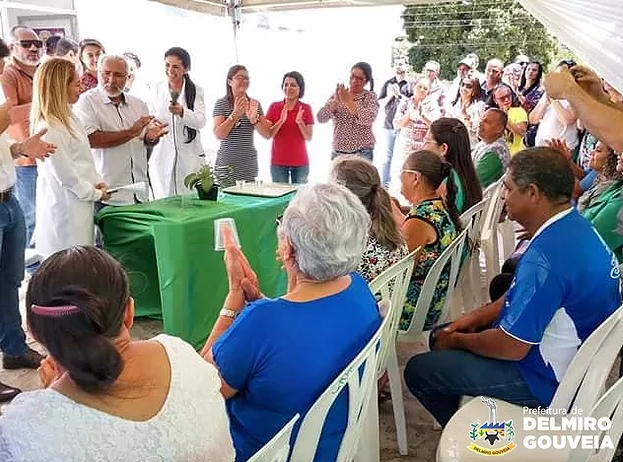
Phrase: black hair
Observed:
(454, 134)
(230, 75)
(82, 340)
(435, 170)
(51, 43)
(476, 89)
(367, 72)
(567, 62)
(545, 168)
(66, 45)
(190, 89)
(4, 49)
(300, 81)
(524, 80)
(501, 115)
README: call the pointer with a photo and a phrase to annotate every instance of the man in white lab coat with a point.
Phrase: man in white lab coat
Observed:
(16, 354)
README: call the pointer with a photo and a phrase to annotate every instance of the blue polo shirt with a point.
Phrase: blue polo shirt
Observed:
(282, 355)
(565, 286)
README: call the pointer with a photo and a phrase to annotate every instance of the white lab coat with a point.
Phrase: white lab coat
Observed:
(172, 158)
(65, 190)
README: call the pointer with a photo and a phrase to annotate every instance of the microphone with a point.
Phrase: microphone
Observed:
(175, 95)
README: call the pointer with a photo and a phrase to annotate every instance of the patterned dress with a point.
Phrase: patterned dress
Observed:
(377, 258)
(434, 213)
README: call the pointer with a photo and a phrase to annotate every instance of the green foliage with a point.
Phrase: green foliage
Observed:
(204, 178)
(510, 431)
(490, 28)
(473, 433)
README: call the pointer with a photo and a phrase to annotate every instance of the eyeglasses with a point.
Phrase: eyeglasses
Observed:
(30, 43)
(356, 78)
(504, 97)
(523, 63)
(406, 170)
(241, 78)
(116, 75)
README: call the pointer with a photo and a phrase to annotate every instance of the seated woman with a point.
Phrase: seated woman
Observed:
(430, 224)
(109, 398)
(385, 245)
(279, 355)
(602, 202)
(448, 137)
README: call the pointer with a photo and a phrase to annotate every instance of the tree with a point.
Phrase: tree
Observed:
(490, 28)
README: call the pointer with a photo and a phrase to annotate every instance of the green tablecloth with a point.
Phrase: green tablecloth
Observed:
(167, 249)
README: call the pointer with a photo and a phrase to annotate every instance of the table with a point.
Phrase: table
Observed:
(167, 250)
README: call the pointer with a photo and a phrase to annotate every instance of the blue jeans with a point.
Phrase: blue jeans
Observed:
(285, 174)
(366, 153)
(25, 192)
(390, 141)
(12, 243)
(438, 379)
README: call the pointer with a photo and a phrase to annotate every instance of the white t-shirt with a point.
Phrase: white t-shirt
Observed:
(192, 425)
(550, 128)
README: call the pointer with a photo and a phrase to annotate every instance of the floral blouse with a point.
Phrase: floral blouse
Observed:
(377, 258)
(434, 213)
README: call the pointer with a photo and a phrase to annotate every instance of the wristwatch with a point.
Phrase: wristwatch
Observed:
(228, 313)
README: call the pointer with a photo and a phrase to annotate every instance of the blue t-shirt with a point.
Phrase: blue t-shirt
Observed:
(282, 355)
(566, 284)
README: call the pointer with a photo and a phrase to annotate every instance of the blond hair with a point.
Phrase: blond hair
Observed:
(50, 98)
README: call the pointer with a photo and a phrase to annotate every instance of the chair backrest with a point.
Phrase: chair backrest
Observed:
(360, 378)
(278, 448)
(610, 406)
(452, 255)
(494, 209)
(392, 285)
(586, 376)
(473, 219)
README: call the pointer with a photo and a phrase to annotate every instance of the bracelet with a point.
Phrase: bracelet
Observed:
(228, 313)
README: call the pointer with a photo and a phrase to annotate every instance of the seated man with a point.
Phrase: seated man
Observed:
(491, 154)
(566, 284)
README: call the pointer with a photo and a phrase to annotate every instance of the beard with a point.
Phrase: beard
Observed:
(113, 93)
(28, 62)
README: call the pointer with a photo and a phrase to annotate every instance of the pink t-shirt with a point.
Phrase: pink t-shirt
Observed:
(289, 147)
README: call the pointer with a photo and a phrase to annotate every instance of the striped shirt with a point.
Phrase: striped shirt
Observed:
(236, 158)
(352, 132)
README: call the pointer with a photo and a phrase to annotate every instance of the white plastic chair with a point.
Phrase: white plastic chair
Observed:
(31, 257)
(580, 388)
(278, 448)
(452, 255)
(392, 285)
(610, 405)
(489, 236)
(360, 377)
(471, 286)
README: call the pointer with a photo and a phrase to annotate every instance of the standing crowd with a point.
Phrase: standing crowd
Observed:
(78, 127)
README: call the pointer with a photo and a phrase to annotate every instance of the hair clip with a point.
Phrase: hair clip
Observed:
(54, 311)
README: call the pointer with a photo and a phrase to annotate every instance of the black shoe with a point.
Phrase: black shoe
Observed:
(7, 393)
(30, 360)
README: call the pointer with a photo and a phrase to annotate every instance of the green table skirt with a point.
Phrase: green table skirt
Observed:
(167, 250)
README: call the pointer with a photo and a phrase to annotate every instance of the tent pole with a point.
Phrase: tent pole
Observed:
(235, 9)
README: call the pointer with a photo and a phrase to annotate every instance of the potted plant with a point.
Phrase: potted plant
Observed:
(203, 181)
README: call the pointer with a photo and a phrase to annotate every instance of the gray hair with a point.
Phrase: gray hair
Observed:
(495, 62)
(327, 226)
(65, 45)
(14, 29)
(105, 58)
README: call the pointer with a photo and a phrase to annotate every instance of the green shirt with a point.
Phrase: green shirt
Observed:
(602, 213)
(490, 160)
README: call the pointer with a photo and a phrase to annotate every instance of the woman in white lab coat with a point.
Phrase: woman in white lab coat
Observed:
(179, 102)
(67, 184)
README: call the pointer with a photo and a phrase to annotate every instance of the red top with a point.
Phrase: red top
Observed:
(289, 147)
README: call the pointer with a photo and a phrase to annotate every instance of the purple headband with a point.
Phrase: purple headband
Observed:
(54, 311)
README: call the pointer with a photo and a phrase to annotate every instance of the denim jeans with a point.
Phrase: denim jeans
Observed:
(285, 174)
(25, 191)
(367, 153)
(438, 379)
(390, 141)
(12, 243)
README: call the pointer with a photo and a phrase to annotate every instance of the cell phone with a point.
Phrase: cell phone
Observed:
(219, 225)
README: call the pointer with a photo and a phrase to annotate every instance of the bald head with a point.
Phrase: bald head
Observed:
(492, 125)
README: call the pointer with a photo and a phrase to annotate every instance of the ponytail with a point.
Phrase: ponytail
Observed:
(384, 227)
(190, 94)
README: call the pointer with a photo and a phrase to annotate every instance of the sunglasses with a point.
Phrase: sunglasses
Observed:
(30, 43)
(469, 86)
(523, 63)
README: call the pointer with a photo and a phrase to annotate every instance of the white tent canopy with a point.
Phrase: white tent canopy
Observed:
(592, 29)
